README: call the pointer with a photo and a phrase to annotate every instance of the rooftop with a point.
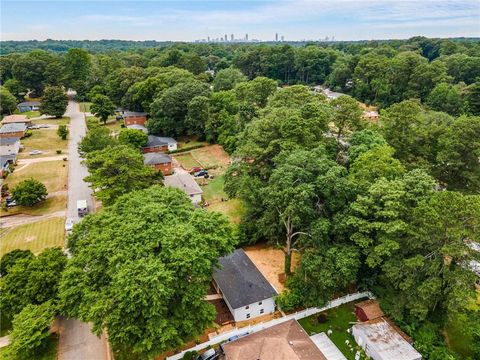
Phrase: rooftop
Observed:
(133, 113)
(385, 340)
(156, 158)
(7, 158)
(159, 141)
(240, 281)
(6, 141)
(13, 127)
(371, 308)
(285, 341)
(29, 103)
(327, 347)
(15, 119)
(138, 127)
(184, 182)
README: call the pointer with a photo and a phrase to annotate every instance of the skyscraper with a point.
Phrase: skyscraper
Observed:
(276, 37)
(226, 38)
(231, 37)
(282, 38)
(246, 37)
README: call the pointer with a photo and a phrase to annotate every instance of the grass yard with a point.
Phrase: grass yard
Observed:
(45, 140)
(52, 121)
(50, 205)
(211, 156)
(233, 208)
(35, 236)
(30, 114)
(112, 123)
(85, 106)
(51, 173)
(338, 320)
(213, 191)
(186, 142)
(186, 160)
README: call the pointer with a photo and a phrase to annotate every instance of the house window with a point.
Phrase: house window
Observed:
(247, 307)
(248, 316)
(260, 303)
(262, 311)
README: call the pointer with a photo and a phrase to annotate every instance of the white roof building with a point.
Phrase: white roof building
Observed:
(382, 342)
(327, 347)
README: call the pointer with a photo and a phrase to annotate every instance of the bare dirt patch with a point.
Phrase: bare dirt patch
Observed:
(270, 262)
(211, 156)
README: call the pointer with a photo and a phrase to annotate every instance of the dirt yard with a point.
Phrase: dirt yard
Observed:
(270, 262)
(211, 156)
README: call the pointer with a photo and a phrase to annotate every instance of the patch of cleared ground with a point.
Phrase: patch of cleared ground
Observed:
(186, 160)
(271, 263)
(36, 236)
(213, 193)
(53, 174)
(45, 140)
(211, 156)
(52, 121)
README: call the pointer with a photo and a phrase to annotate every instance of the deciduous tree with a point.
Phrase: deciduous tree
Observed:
(29, 192)
(54, 101)
(102, 107)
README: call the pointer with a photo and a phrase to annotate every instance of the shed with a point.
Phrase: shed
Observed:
(368, 310)
(245, 290)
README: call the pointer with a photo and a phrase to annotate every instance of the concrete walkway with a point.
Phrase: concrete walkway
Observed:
(4, 341)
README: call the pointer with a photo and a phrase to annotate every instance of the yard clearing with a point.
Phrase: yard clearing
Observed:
(338, 320)
(211, 156)
(53, 174)
(45, 140)
(50, 205)
(85, 106)
(52, 121)
(270, 262)
(186, 160)
(35, 236)
(213, 193)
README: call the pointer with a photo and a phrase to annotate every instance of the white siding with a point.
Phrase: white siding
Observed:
(240, 314)
(172, 146)
(196, 198)
(9, 149)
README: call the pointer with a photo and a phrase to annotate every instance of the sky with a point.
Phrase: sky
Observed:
(192, 20)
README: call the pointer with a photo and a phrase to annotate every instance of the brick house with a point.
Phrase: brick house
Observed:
(13, 119)
(159, 144)
(13, 130)
(134, 118)
(160, 161)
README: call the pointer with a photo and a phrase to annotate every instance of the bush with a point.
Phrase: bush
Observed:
(28, 133)
(186, 148)
(29, 192)
(190, 355)
(62, 132)
(288, 301)
(59, 151)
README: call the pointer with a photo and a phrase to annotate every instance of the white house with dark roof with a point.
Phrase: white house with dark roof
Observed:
(9, 145)
(244, 289)
(28, 106)
(159, 144)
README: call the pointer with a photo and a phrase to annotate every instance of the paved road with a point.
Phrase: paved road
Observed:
(76, 339)
(77, 188)
(78, 343)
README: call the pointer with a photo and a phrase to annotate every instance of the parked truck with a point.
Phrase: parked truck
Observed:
(82, 208)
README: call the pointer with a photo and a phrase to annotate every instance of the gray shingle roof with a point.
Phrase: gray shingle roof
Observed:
(13, 127)
(159, 141)
(29, 103)
(184, 182)
(156, 158)
(240, 281)
(6, 141)
(133, 113)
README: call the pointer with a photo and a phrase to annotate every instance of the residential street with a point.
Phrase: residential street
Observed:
(77, 188)
(76, 340)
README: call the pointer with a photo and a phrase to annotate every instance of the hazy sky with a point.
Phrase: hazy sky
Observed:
(190, 20)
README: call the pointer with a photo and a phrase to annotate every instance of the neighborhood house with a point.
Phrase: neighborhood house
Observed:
(285, 341)
(5, 161)
(159, 144)
(244, 289)
(187, 184)
(159, 161)
(9, 145)
(29, 106)
(13, 130)
(11, 119)
(134, 118)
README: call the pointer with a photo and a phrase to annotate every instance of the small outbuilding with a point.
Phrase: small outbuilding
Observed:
(159, 161)
(245, 290)
(187, 184)
(368, 310)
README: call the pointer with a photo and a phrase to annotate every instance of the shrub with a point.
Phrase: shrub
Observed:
(62, 132)
(28, 133)
(190, 355)
(59, 151)
(29, 192)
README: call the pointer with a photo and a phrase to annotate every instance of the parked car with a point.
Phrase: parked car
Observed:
(33, 127)
(201, 173)
(195, 169)
(69, 224)
(35, 152)
(210, 354)
(41, 126)
(10, 202)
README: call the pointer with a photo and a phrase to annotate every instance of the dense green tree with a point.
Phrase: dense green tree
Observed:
(32, 280)
(164, 257)
(117, 170)
(31, 331)
(447, 98)
(473, 98)
(226, 79)
(8, 102)
(30, 70)
(256, 91)
(29, 192)
(459, 151)
(362, 141)
(10, 259)
(347, 115)
(97, 138)
(135, 138)
(102, 107)
(15, 88)
(198, 114)
(54, 101)
(78, 65)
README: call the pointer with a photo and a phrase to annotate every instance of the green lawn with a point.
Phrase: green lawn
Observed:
(51, 173)
(31, 114)
(233, 208)
(214, 190)
(112, 123)
(53, 121)
(50, 205)
(49, 354)
(338, 320)
(186, 160)
(35, 236)
(45, 140)
(85, 106)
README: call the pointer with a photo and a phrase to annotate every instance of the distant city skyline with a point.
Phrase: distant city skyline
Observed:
(291, 20)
